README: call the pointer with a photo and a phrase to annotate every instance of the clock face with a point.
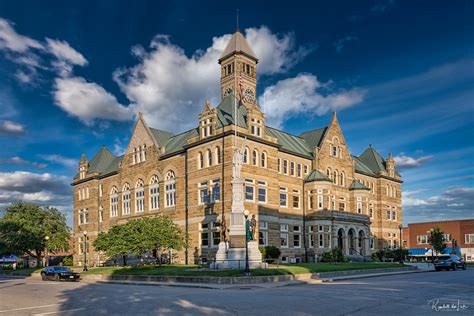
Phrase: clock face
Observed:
(249, 95)
(228, 91)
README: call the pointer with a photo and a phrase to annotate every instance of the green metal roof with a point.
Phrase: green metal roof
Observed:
(372, 159)
(313, 138)
(114, 165)
(226, 112)
(356, 185)
(290, 142)
(361, 167)
(315, 175)
(101, 161)
(177, 142)
(161, 137)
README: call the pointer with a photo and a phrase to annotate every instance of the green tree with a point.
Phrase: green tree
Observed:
(436, 240)
(139, 236)
(24, 227)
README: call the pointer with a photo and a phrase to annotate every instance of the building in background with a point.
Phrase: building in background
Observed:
(308, 193)
(416, 236)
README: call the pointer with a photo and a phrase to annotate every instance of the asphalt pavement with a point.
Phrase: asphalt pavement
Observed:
(428, 293)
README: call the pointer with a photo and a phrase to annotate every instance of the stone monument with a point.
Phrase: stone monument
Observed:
(231, 254)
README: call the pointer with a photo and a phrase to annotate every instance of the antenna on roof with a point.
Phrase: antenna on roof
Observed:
(237, 21)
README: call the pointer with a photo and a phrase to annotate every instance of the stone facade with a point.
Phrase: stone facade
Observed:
(308, 192)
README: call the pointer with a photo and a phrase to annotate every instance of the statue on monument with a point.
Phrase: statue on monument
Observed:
(223, 228)
(253, 227)
(238, 161)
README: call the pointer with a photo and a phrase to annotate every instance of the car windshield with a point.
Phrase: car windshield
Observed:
(61, 269)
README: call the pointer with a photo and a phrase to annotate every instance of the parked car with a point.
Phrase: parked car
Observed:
(58, 273)
(449, 262)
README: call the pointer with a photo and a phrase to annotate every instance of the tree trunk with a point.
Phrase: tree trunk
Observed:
(124, 257)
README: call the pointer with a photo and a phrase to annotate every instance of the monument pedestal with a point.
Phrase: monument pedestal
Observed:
(234, 258)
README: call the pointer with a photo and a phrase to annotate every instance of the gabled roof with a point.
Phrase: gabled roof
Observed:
(315, 175)
(356, 185)
(161, 137)
(238, 44)
(226, 112)
(313, 138)
(101, 161)
(361, 167)
(177, 142)
(372, 159)
(290, 142)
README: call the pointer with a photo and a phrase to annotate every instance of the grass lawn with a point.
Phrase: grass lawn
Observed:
(26, 271)
(183, 270)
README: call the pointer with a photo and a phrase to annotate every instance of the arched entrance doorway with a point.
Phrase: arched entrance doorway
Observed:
(340, 239)
(361, 241)
(351, 236)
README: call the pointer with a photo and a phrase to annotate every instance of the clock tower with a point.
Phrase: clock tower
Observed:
(239, 70)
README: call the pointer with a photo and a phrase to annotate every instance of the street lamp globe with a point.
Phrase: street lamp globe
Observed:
(85, 233)
(246, 213)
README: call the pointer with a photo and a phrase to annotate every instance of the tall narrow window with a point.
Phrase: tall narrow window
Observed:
(215, 191)
(249, 190)
(154, 193)
(283, 197)
(342, 179)
(285, 166)
(296, 199)
(334, 179)
(262, 191)
(170, 189)
(101, 214)
(86, 216)
(246, 155)
(255, 157)
(264, 160)
(80, 218)
(126, 199)
(113, 202)
(279, 165)
(209, 157)
(298, 171)
(292, 168)
(203, 193)
(320, 199)
(139, 197)
(218, 155)
(359, 205)
(200, 160)
(144, 152)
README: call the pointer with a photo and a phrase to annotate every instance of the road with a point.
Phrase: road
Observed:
(407, 294)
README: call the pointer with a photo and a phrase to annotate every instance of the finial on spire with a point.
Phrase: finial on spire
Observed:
(390, 158)
(83, 158)
(237, 21)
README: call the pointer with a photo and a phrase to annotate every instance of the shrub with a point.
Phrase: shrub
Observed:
(67, 261)
(270, 252)
(327, 256)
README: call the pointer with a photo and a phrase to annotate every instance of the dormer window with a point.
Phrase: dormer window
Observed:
(334, 151)
(206, 127)
(139, 154)
(256, 127)
(82, 172)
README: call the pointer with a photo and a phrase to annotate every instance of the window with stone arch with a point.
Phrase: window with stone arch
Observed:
(329, 173)
(218, 155)
(342, 179)
(139, 196)
(334, 179)
(170, 189)
(200, 160)
(126, 199)
(114, 201)
(209, 157)
(154, 192)
(255, 157)
(264, 159)
(246, 155)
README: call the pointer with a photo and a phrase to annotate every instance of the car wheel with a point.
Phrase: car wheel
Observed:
(43, 276)
(454, 267)
(56, 277)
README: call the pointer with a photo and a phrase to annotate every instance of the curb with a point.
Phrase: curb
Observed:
(372, 275)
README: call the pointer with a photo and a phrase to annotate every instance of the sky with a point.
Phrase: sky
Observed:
(400, 74)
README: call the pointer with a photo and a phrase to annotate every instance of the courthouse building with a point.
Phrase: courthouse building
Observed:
(309, 194)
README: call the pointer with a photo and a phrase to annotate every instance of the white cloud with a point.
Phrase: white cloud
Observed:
(342, 42)
(403, 161)
(304, 94)
(66, 56)
(9, 127)
(11, 40)
(88, 101)
(20, 161)
(167, 83)
(68, 162)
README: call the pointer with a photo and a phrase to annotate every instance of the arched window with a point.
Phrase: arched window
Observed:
(113, 201)
(154, 193)
(209, 157)
(328, 172)
(139, 196)
(139, 151)
(144, 152)
(264, 159)
(200, 160)
(246, 155)
(134, 156)
(334, 179)
(341, 180)
(126, 199)
(255, 157)
(218, 155)
(170, 189)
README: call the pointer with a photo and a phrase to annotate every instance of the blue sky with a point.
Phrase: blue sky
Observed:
(400, 74)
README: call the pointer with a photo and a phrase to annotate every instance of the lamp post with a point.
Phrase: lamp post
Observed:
(46, 252)
(247, 268)
(431, 242)
(400, 247)
(85, 251)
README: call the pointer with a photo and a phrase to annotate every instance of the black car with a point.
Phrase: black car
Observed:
(58, 273)
(449, 262)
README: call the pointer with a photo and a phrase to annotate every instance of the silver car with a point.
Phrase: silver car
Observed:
(449, 262)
